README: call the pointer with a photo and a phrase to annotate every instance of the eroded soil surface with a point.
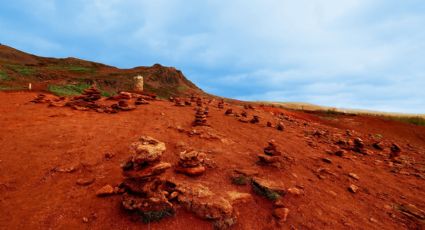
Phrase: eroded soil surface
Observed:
(53, 160)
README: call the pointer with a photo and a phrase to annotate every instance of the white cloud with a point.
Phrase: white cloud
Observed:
(360, 53)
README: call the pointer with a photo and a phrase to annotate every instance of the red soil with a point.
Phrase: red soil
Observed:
(37, 140)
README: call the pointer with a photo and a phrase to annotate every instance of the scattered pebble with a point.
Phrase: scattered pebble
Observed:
(327, 160)
(85, 181)
(281, 214)
(354, 176)
(353, 188)
(294, 191)
(105, 191)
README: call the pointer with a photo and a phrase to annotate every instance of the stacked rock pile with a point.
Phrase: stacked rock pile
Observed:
(199, 102)
(255, 119)
(200, 117)
(144, 192)
(220, 104)
(228, 112)
(359, 145)
(280, 126)
(178, 102)
(271, 154)
(191, 163)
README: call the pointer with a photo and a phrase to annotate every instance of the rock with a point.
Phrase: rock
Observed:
(412, 211)
(85, 220)
(327, 160)
(255, 119)
(280, 126)
(340, 152)
(353, 188)
(147, 171)
(220, 104)
(353, 175)
(270, 189)
(294, 191)
(358, 145)
(269, 124)
(268, 159)
(377, 146)
(238, 197)
(373, 220)
(228, 112)
(147, 149)
(281, 214)
(85, 181)
(193, 171)
(278, 204)
(271, 149)
(200, 117)
(205, 204)
(105, 191)
(109, 155)
(191, 163)
(395, 151)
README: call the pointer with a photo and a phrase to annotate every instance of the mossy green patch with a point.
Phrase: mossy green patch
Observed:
(21, 69)
(68, 90)
(4, 76)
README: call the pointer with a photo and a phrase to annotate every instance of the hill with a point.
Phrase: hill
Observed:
(18, 68)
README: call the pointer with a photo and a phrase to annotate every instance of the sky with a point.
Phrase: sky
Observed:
(363, 54)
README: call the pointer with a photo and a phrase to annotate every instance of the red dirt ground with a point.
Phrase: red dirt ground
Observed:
(36, 140)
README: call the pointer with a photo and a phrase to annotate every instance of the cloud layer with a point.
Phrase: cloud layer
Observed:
(364, 54)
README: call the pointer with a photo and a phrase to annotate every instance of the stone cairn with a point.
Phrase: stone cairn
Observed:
(271, 155)
(191, 163)
(178, 102)
(40, 98)
(221, 104)
(280, 126)
(188, 103)
(200, 117)
(144, 192)
(199, 102)
(395, 151)
(255, 119)
(228, 112)
(358, 145)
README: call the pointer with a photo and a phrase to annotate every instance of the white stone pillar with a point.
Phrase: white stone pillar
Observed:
(138, 86)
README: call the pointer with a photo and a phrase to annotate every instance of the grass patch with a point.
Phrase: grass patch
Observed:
(4, 76)
(22, 70)
(68, 90)
(415, 120)
(72, 68)
(182, 88)
(6, 88)
(80, 69)
(76, 89)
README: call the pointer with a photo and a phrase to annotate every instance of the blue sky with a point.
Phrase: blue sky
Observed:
(367, 54)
